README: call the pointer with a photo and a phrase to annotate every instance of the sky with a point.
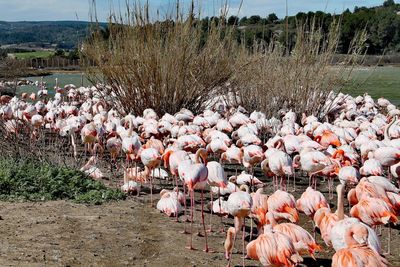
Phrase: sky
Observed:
(39, 10)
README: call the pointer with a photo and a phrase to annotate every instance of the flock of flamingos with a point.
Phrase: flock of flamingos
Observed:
(355, 150)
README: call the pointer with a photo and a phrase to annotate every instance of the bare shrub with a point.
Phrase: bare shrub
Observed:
(299, 80)
(173, 64)
(162, 65)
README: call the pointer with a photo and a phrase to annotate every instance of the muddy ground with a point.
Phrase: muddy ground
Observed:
(125, 233)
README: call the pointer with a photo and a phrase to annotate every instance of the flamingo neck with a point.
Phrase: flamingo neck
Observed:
(349, 239)
(271, 219)
(340, 202)
(200, 154)
(386, 134)
(130, 130)
(296, 161)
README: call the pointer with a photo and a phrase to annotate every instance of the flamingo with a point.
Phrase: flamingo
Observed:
(90, 167)
(239, 206)
(131, 143)
(233, 155)
(169, 203)
(328, 138)
(371, 167)
(373, 212)
(387, 156)
(259, 209)
(303, 242)
(348, 175)
(337, 232)
(252, 155)
(88, 135)
(150, 159)
(283, 206)
(355, 254)
(273, 248)
(130, 187)
(311, 201)
(280, 164)
(216, 177)
(245, 178)
(194, 174)
(229, 243)
(312, 162)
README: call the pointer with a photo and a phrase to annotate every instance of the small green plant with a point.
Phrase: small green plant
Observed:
(32, 181)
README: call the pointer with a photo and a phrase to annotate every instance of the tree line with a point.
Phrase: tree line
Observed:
(382, 24)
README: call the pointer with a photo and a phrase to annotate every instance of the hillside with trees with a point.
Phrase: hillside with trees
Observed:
(382, 24)
(56, 34)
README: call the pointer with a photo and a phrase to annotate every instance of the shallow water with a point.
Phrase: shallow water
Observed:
(50, 80)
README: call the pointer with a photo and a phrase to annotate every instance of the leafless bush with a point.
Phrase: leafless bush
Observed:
(163, 65)
(169, 65)
(300, 80)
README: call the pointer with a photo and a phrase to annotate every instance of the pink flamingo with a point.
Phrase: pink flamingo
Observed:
(371, 167)
(195, 174)
(216, 177)
(373, 212)
(312, 162)
(169, 203)
(281, 165)
(337, 232)
(302, 240)
(311, 201)
(283, 206)
(150, 159)
(89, 136)
(273, 248)
(239, 206)
(172, 158)
(356, 254)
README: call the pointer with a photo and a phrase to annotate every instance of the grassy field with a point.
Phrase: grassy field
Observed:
(36, 54)
(378, 82)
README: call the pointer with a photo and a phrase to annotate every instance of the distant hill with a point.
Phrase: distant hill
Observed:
(46, 34)
(381, 23)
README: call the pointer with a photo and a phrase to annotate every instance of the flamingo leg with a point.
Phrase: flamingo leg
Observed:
(243, 235)
(389, 238)
(294, 181)
(192, 215)
(151, 187)
(177, 197)
(251, 230)
(184, 194)
(212, 204)
(206, 249)
(234, 241)
(185, 208)
(220, 208)
(252, 182)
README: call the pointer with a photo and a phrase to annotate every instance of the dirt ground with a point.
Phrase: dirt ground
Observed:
(125, 233)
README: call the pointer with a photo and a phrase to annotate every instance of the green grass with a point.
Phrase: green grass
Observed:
(378, 82)
(31, 181)
(36, 54)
